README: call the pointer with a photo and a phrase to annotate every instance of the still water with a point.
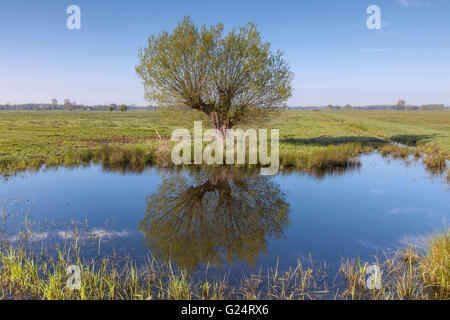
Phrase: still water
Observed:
(229, 219)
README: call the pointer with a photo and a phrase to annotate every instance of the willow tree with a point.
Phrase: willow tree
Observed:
(232, 77)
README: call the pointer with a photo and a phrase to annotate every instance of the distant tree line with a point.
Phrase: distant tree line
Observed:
(71, 106)
(401, 105)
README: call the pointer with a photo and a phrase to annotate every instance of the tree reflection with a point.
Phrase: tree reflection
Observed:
(215, 216)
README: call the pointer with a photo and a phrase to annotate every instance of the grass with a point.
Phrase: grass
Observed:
(435, 266)
(132, 140)
(407, 273)
(24, 277)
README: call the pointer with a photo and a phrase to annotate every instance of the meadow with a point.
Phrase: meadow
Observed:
(309, 140)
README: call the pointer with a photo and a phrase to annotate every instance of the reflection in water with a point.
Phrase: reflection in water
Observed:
(214, 216)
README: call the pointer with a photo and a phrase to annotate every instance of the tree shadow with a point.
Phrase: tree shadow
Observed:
(328, 140)
(411, 139)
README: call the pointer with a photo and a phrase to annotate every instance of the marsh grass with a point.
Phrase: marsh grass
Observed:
(435, 162)
(45, 277)
(409, 273)
(406, 273)
(435, 264)
(396, 151)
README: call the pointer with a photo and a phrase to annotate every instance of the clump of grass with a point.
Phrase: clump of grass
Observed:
(435, 265)
(409, 255)
(435, 162)
(329, 158)
(355, 278)
(395, 151)
(399, 280)
(407, 273)
(335, 157)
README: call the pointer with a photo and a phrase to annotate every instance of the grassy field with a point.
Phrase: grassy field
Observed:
(310, 140)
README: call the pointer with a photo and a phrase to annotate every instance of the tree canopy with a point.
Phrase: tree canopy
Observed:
(233, 78)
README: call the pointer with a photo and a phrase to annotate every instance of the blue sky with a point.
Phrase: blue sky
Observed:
(336, 59)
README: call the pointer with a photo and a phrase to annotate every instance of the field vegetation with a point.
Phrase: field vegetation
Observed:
(132, 140)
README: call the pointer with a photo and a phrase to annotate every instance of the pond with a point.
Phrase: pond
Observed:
(229, 219)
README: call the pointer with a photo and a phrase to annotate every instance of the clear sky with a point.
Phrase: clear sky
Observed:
(336, 59)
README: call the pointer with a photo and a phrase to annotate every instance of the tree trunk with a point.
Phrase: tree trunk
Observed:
(219, 124)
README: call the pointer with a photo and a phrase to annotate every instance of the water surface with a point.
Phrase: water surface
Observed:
(229, 218)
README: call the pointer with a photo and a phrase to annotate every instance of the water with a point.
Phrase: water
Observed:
(230, 219)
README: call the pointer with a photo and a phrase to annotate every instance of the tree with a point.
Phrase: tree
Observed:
(123, 107)
(232, 78)
(67, 104)
(111, 108)
(401, 105)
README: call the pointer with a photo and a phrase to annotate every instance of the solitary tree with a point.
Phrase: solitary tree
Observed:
(123, 107)
(401, 105)
(233, 78)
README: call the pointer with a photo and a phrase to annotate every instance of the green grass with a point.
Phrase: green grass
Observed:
(309, 140)
(407, 273)
(435, 265)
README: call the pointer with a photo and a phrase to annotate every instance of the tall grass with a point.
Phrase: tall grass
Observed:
(406, 273)
(435, 265)
(25, 277)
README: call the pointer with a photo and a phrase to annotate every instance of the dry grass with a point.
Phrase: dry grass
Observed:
(407, 273)
(435, 265)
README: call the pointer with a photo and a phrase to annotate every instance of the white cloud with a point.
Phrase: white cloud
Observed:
(419, 3)
(405, 210)
(375, 50)
(33, 237)
(369, 244)
(413, 240)
(376, 191)
(102, 233)
(399, 211)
